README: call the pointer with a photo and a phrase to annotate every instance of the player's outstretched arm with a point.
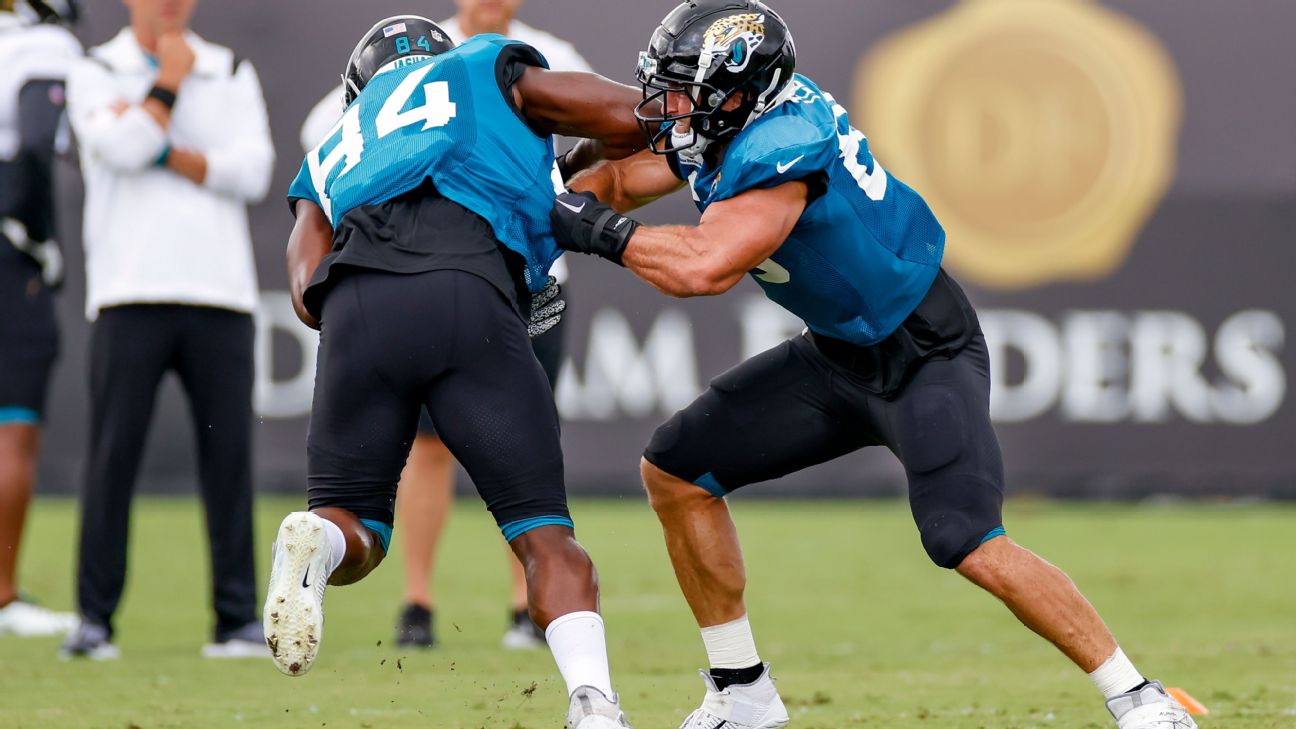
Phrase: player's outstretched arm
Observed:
(582, 105)
(733, 237)
(310, 241)
(629, 183)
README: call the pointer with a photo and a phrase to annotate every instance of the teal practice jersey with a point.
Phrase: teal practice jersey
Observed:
(443, 119)
(866, 249)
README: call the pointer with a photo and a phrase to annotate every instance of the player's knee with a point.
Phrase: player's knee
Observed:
(548, 549)
(950, 537)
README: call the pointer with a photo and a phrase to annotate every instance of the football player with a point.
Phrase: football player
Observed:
(36, 53)
(892, 355)
(421, 252)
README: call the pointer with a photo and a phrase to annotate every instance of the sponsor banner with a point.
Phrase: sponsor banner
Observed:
(1117, 181)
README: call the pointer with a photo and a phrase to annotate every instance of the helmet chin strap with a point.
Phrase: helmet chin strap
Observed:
(355, 90)
(764, 103)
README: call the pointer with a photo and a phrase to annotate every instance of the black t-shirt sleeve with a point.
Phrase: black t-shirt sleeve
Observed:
(39, 113)
(512, 62)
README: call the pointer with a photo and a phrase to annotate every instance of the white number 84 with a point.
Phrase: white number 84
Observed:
(437, 111)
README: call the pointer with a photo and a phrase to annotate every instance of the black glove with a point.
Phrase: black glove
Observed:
(583, 224)
(546, 308)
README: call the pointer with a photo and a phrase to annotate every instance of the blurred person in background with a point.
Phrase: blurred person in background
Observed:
(427, 485)
(174, 144)
(892, 354)
(36, 54)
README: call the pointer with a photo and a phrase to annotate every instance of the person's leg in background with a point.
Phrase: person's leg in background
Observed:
(28, 348)
(215, 364)
(131, 347)
(423, 502)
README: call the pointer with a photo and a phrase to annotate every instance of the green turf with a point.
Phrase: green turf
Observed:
(862, 630)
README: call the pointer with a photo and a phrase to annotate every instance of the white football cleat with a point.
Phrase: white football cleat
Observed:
(754, 705)
(590, 709)
(1149, 708)
(27, 620)
(293, 617)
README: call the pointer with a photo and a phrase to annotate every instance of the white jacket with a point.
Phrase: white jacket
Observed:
(152, 236)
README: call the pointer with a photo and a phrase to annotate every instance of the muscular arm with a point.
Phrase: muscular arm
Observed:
(629, 183)
(733, 237)
(581, 105)
(311, 240)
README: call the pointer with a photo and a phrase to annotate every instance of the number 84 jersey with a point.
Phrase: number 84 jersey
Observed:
(867, 248)
(446, 119)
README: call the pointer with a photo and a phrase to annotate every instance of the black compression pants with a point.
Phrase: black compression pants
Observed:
(392, 344)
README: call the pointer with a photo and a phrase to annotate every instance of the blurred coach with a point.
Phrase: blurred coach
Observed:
(174, 143)
(427, 483)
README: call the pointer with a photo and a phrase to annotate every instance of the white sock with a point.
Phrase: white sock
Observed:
(731, 645)
(337, 544)
(580, 649)
(1117, 675)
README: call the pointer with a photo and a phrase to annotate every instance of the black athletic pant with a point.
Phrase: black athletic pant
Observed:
(210, 349)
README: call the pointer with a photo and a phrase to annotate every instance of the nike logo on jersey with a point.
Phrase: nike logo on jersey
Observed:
(785, 166)
(572, 208)
(305, 577)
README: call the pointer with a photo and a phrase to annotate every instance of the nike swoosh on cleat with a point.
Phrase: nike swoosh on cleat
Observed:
(305, 577)
(784, 167)
(572, 208)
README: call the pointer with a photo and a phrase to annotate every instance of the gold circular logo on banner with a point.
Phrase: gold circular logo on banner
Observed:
(1042, 132)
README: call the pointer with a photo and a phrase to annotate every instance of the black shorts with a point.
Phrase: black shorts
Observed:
(29, 339)
(796, 406)
(447, 340)
(548, 348)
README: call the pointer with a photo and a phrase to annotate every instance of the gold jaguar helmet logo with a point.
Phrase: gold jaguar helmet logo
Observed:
(1042, 132)
(736, 35)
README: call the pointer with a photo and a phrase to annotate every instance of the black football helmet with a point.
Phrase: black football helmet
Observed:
(711, 50)
(61, 12)
(391, 43)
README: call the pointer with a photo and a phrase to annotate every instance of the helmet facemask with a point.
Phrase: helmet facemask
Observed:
(659, 125)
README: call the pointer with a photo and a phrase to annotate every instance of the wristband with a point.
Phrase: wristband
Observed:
(162, 158)
(168, 98)
(610, 233)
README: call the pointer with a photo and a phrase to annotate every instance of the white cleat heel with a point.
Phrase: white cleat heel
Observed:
(1150, 707)
(589, 708)
(754, 705)
(294, 611)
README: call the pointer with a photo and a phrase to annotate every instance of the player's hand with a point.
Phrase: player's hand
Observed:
(583, 224)
(175, 60)
(547, 307)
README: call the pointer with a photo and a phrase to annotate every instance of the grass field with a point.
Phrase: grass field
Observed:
(862, 630)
